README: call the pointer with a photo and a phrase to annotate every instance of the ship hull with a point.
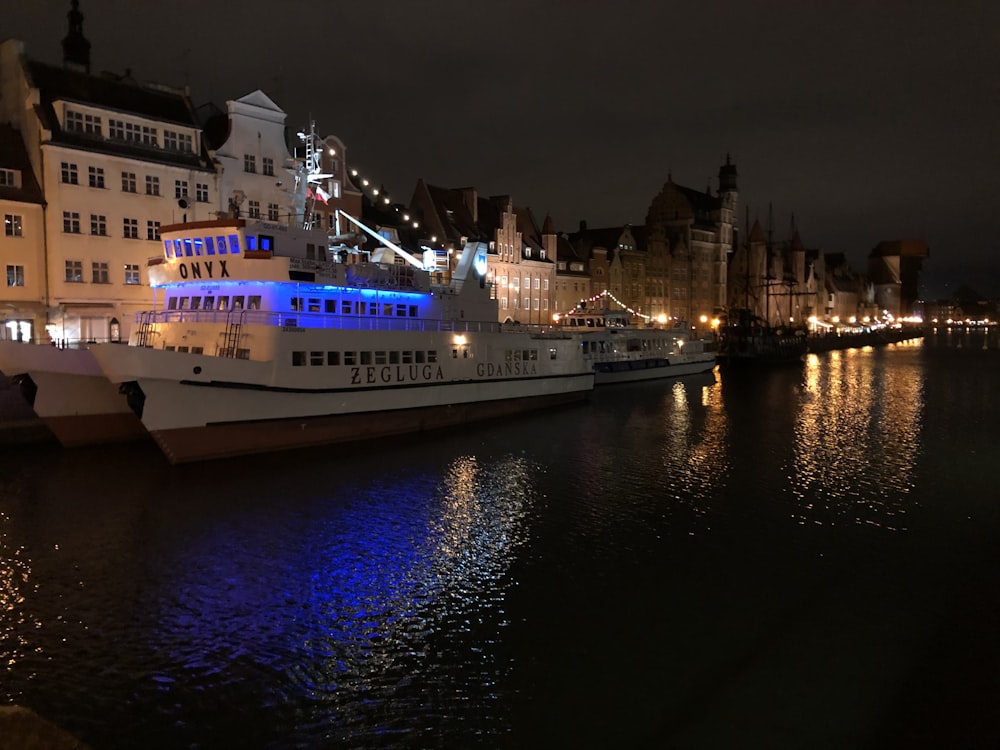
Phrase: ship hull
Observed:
(213, 441)
(70, 394)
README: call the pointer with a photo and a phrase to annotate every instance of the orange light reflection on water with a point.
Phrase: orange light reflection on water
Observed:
(857, 430)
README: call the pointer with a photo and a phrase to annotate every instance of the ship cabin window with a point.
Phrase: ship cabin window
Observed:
(234, 244)
(297, 303)
(316, 358)
(266, 242)
(172, 303)
(361, 308)
(242, 354)
(209, 246)
(169, 348)
(209, 302)
(400, 311)
(387, 309)
(188, 248)
(432, 356)
(419, 357)
(197, 350)
(373, 308)
(330, 306)
(182, 349)
(220, 243)
(407, 358)
(314, 304)
(333, 358)
(350, 358)
(196, 303)
(366, 358)
(346, 307)
(380, 358)
(238, 301)
(251, 241)
(298, 359)
(253, 302)
(223, 302)
(168, 249)
(552, 353)
(184, 303)
(198, 243)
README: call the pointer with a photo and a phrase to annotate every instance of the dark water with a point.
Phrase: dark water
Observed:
(800, 558)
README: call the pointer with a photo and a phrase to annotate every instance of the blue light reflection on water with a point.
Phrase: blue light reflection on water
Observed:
(327, 624)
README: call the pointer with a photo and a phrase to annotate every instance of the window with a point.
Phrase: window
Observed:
(131, 273)
(12, 225)
(254, 209)
(128, 182)
(81, 123)
(180, 188)
(130, 229)
(272, 211)
(74, 271)
(9, 178)
(152, 185)
(15, 275)
(95, 177)
(267, 166)
(249, 163)
(68, 173)
(98, 224)
(201, 192)
(153, 230)
(149, 136)
(71, 222)
(100, 272)
(177, 141)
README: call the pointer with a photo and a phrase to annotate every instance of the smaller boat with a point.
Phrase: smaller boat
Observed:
(620, 352)
(746, 338)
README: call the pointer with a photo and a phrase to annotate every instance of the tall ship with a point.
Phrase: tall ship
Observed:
(620, 352)
(745, 338)
(268, 336)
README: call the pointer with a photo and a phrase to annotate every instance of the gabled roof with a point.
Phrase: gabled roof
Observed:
(13, 155)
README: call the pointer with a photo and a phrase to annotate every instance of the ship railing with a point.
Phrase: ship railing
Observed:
(305, 320)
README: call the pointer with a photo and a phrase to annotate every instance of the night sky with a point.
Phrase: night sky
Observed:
(867, 121)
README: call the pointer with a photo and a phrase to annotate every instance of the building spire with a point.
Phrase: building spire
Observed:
(76, 47)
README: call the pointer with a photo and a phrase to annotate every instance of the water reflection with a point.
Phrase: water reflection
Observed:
(349, 599)
(857, 434)
(16, 586)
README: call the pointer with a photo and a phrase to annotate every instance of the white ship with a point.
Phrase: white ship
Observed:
(70, 394)
(266, 337)
(619, 352)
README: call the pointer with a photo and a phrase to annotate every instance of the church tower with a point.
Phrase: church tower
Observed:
(76, 47)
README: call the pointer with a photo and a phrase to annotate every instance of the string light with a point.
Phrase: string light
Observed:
(617, 301)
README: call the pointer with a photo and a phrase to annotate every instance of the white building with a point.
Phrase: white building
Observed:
(258, 177)
(114, 159)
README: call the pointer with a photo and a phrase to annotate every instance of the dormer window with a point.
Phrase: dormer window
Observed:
(10, 178)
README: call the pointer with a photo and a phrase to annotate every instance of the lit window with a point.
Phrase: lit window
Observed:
(12, 225)
(132, 273)
(74, 271)
(15, 275)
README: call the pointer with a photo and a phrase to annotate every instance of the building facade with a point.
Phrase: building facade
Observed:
(115, 159)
